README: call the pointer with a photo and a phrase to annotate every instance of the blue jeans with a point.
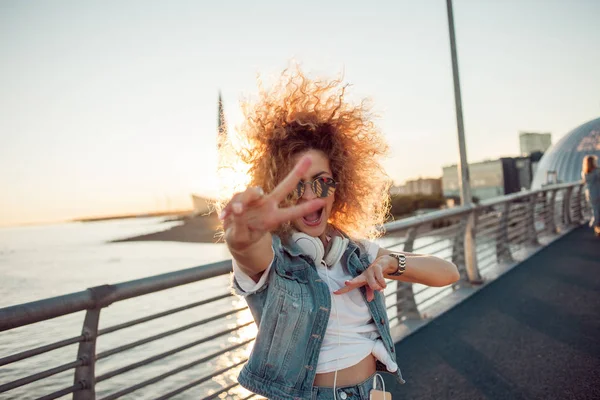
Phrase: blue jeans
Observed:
(356, 392)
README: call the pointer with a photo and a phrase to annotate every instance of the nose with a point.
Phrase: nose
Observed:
(308, 194)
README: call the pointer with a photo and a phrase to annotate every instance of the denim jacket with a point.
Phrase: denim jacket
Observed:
(291, 312)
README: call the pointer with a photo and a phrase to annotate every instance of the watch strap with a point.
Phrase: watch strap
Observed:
(401, 258)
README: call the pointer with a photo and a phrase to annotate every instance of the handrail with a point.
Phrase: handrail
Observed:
(523, 194)
(29, 313)
(411, 222)
(504, 225)
(102, 296)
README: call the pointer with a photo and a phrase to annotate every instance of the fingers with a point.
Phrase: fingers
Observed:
(373, 284)
(378, 273)
(240, 200)
(357, 282)
(291, 180)
(298, 211)
(372, 278)
(370, 294)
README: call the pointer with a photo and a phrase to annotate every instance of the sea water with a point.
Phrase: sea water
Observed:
(38, 262)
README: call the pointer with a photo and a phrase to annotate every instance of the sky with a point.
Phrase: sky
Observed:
(110, 107)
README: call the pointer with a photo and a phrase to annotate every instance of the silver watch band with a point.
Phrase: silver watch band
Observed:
(401, 258)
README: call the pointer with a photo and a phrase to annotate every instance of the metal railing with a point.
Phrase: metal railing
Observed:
(476, 238)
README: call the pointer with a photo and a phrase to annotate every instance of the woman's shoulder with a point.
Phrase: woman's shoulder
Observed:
(369, 247)
(592, 175)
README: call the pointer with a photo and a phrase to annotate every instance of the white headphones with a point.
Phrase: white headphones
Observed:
(313, 247)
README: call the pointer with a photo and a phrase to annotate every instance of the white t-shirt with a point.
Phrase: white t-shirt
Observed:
(351, 334)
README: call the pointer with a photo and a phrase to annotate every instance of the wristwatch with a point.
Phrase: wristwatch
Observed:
(401, 258)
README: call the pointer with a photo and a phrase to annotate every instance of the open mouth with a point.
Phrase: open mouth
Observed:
(314, 218)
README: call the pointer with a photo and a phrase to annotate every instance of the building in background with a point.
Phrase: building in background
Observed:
(486, 177)
(531, 142)
(492, 178)
(535, 160)
(522, 168)
(423, 186)
(202, 205)
(221, 125)
(562, 162)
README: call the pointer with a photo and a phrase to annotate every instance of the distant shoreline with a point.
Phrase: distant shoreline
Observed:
(198, 229)
(205, 229)
(176, 213)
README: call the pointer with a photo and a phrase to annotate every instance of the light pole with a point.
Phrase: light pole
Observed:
(463, 166)
(470, 246)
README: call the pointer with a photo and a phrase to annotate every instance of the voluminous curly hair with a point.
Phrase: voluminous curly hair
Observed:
(299, 114)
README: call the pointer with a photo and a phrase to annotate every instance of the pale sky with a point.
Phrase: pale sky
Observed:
(109, 107)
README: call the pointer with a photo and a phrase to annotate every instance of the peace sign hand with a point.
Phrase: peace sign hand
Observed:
(251, 214)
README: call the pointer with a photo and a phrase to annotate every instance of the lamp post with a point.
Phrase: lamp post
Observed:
(463, 166)
(470, 247)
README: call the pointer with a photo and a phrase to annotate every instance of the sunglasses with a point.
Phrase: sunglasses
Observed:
(321, 187)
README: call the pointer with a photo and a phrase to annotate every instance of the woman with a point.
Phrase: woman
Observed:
(591, 177)
(314, 289)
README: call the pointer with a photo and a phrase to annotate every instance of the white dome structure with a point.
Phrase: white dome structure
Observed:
(562, 162)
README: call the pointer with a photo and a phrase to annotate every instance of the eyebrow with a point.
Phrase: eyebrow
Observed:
(319, 174)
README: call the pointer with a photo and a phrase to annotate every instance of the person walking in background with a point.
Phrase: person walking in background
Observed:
(591, 177)
(298, 239)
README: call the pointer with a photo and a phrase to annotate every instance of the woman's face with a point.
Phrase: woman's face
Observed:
(314, 224)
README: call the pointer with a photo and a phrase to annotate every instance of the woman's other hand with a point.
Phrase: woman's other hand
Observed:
(423, 269)
(373, 277)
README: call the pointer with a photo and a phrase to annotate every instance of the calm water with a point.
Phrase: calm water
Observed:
(45, 261)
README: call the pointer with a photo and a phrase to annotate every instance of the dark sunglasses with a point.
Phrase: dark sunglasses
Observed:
(322, 187)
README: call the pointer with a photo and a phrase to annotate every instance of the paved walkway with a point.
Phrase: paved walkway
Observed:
(534, 333)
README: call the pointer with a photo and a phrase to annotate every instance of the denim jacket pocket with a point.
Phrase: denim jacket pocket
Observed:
(292, 277)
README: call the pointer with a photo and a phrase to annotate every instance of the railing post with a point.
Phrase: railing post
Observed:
(409, 244)
(85, 374)
(458, 248)
(579, 208)
(531, 232)
(550, 217)
(503, 253)
(567, 206)
(406, 306)
(471, 249)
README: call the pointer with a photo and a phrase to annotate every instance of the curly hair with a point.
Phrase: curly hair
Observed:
(299, 114)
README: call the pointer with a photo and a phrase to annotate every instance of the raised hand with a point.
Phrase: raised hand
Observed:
(251, 214)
